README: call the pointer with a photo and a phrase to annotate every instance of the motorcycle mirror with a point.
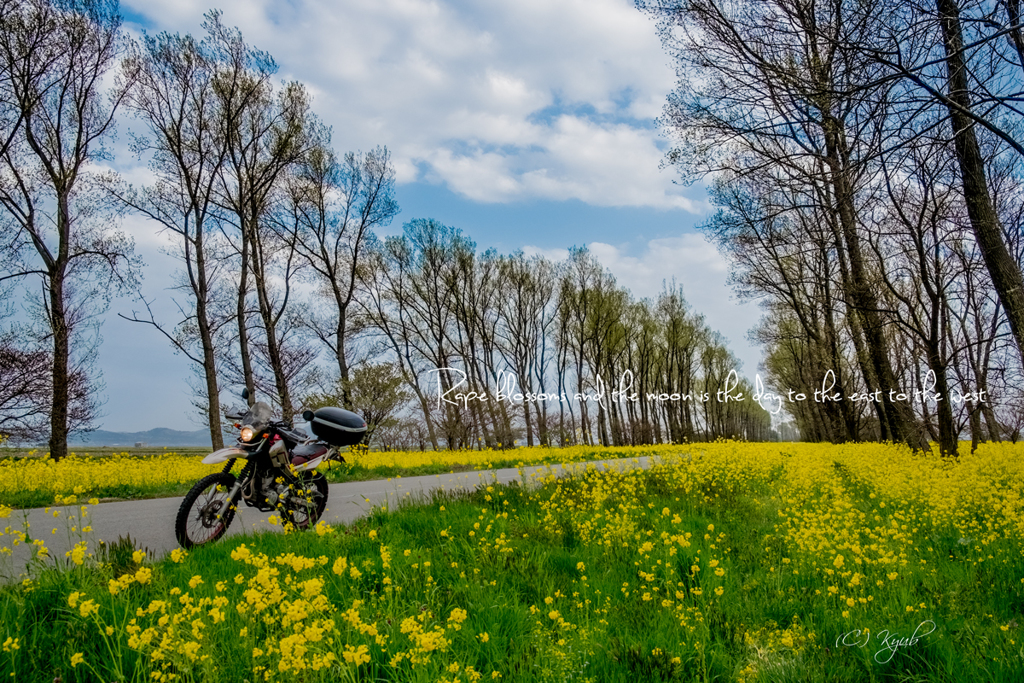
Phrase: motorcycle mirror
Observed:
(307, 415)
(245, 393)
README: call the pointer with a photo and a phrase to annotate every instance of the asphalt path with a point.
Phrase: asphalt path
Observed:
(150, 523)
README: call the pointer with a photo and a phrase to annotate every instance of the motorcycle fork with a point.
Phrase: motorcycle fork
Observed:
(236, 490)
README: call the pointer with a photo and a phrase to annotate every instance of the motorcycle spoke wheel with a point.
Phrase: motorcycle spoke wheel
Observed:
(205, 512)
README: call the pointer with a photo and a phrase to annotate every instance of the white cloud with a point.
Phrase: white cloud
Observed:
(694, 263)
(554, 255)
(500, 102)
(690, 259)
(549, 99)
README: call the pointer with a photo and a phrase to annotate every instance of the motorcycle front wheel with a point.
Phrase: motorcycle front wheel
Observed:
(307, 502)
(205, 512)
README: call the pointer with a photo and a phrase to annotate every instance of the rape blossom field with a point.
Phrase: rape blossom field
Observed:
(37, 481)
(721, 562)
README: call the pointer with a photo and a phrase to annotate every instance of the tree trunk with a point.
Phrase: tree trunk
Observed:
(425, 407)
(943, 408)
(975, 422)
(340, 355)
(898, 419)
(206, 338)
(1005, 273)
(243, 332)
(61, 353)
(270, 325)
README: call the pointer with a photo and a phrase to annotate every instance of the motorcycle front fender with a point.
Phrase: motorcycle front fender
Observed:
(223, 455)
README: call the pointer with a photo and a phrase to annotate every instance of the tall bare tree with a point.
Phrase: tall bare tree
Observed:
(526, 286)
(57, 60)
(268, 132)
(771, 84)
(182, 85)
(334, 207)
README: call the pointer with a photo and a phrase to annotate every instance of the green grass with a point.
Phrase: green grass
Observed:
(572, 551)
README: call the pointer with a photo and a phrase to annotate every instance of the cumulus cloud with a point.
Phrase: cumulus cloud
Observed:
(537, 99)
(691, 261)
(526, 101)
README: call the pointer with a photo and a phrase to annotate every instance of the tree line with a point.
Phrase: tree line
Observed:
(864, 157)
(280, 266)
(592, 363)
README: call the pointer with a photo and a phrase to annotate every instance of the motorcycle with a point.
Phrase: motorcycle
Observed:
(279, 472)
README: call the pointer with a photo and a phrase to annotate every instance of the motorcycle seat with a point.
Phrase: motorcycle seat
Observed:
(303, 453)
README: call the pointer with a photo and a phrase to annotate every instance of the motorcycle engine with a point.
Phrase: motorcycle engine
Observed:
(264, 492)
(273, 491)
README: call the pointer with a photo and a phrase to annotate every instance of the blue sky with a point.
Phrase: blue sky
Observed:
(528, 125)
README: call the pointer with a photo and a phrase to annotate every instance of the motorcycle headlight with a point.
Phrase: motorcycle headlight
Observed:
(247, 433)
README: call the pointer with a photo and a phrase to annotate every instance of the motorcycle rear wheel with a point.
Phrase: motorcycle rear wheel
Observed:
(205, 512)
(304, 509)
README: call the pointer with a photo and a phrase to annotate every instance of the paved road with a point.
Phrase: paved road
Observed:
(151, 522)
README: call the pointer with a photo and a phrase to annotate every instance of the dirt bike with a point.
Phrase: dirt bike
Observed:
(279, 472)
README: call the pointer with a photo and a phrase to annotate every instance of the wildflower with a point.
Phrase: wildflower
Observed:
(456, 618)
(356, 656)
(77, 554)
(77, 659)
(88, 608)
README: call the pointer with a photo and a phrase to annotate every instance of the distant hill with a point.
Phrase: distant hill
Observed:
(154, 437)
